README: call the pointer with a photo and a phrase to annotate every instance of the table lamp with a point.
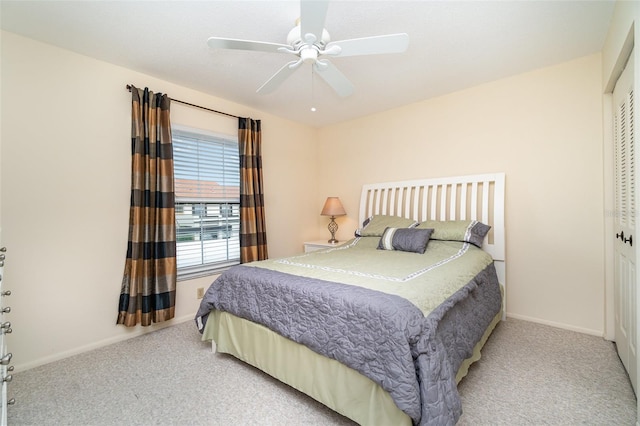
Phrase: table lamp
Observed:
(333, 207)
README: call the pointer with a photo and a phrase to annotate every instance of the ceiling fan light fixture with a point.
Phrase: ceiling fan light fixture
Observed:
(309, 55)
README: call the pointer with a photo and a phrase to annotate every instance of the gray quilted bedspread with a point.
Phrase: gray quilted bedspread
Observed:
(383, 336)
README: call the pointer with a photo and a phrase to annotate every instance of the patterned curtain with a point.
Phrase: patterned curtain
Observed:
(253, 235)
(149, 283)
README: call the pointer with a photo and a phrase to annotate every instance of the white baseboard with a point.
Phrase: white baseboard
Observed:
(102, 343)
(598, 333)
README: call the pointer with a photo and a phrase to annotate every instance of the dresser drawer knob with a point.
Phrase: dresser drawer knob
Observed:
(5, 360)
(8, 378)
(5, 310)
(11, 401)
(6, 293)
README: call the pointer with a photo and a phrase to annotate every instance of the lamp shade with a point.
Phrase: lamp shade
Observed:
(333, 207)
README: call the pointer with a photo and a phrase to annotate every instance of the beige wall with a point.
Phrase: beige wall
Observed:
(65, 176)
(544, 129)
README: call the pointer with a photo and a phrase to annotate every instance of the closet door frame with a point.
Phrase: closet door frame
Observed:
(625, 51)
(625, 218)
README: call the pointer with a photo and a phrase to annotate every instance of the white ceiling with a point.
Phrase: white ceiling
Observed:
(452, 45)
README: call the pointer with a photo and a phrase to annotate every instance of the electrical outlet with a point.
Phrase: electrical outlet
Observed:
(200, 292)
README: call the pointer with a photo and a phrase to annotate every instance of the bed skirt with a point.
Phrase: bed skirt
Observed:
(335, 385)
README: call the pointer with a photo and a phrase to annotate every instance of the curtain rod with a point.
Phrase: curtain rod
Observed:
(196, 106)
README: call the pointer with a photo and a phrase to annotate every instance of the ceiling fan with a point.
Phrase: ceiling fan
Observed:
(310, 42)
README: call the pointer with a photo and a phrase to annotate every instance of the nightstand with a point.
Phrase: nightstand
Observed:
(310, 246)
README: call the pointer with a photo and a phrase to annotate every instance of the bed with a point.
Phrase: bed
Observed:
(383, 327)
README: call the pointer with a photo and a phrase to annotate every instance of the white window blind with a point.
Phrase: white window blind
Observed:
(207, 186)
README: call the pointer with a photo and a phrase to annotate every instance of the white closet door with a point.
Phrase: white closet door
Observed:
(625, 222)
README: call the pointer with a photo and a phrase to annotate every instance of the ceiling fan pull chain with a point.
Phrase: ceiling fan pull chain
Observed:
(313, 93)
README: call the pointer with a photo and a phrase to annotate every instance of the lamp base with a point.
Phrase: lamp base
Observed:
(333, 227)
(333, 241)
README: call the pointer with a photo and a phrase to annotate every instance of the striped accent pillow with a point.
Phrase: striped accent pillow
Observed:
(375, 225)
(405, 239)
(470, 231)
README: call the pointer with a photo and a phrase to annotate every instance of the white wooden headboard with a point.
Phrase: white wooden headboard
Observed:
(475, 197)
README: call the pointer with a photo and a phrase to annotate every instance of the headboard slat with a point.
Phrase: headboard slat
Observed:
(485, 203)
(474, 201)
(423, 207)
(407, 202)
(371, 195)
(463, 203)
(452, 207)
(385, 199)
(442, 199)
(416, 201)
(434, 203)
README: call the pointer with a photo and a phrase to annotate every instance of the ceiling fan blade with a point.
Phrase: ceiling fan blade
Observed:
(259, 46)
(279, 77)
(334, 78)
(391, 43)
(312, 17)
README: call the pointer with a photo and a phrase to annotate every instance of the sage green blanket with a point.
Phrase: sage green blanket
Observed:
(424, 279)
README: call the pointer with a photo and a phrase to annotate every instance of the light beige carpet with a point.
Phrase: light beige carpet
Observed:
(529, 374)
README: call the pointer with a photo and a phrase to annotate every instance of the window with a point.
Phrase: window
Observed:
(207, 186)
